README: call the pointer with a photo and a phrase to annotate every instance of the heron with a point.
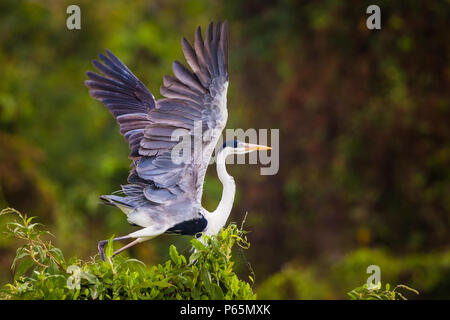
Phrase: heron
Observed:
(163, 196)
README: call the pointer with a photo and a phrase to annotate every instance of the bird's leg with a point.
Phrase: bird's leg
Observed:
(140, 236)
(103, 243)
(132, 243)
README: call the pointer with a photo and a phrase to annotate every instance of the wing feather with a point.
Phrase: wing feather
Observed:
(153, 128)
(124, 95)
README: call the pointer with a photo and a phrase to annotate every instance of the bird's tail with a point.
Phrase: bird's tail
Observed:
(118, 202)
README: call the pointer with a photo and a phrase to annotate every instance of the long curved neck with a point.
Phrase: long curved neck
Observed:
(219, 217)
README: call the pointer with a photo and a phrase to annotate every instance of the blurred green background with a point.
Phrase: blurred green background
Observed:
(363, 118)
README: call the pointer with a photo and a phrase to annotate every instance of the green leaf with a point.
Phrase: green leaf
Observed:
(194, 257)
(218, 293)
(162, 284)
(109, 251)
(198, 245)
(206, 279)
(58, 253)
(30, 219)
(31, 226)
(42, 254)
(174, 255)
(23, 267)
(53, 267)
(20, 253)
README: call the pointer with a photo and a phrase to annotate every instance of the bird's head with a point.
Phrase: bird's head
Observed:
(239, 147)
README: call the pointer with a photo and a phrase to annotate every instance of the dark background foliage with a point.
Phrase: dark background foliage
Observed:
(363, 118)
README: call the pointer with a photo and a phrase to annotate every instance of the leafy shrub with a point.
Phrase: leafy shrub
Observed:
(305, 283)
(378, 293)
(427, 272)
(42, 272)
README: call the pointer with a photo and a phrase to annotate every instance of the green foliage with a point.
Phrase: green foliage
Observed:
(378, 293)
(42, 272)
(428, 273)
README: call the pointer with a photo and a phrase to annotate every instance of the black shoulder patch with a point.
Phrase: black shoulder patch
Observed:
(189, 227)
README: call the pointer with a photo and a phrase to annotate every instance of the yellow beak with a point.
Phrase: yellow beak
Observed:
(253, 147)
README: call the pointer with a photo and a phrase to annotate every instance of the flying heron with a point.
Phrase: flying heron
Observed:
(162, 195)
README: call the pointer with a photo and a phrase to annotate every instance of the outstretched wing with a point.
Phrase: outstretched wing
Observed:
(125, 96)
(193, 100)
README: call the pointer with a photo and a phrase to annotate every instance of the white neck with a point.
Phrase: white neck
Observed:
(218, 218)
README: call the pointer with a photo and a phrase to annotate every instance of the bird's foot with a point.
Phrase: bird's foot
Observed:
(101, 248)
